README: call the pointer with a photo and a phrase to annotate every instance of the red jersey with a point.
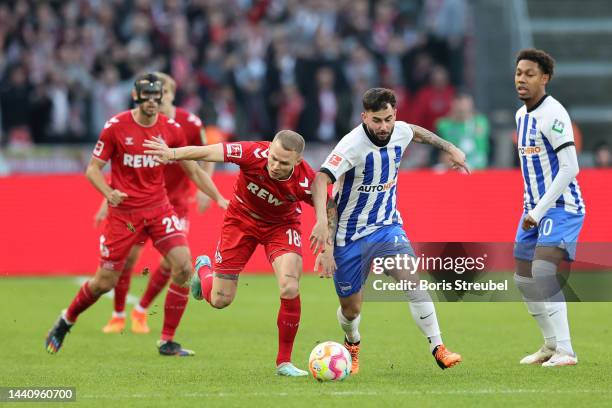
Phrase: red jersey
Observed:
(178, 184)
(273, 201)
(132, 171)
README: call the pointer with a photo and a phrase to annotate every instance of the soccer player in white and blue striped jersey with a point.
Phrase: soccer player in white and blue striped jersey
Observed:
(553, 206)
(364, 168)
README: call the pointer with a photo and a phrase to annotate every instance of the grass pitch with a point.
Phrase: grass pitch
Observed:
(236, 349)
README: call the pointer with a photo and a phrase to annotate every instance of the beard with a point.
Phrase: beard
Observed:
(149, 112)
(380, 136)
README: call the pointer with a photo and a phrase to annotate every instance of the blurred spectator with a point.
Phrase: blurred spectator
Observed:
(16, 105)
(434, 100)
(445, 22)
(291, 107)
(603, 155)
(467, 130)
(324, 115)
(247, 67)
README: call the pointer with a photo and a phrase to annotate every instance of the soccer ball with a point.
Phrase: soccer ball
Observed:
(329, 361)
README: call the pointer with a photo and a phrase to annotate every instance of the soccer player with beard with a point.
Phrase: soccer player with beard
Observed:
(138, 208)
(180, 192)
(364, 168)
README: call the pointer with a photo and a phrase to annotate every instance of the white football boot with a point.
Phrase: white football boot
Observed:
(539, 357)
(561, 358)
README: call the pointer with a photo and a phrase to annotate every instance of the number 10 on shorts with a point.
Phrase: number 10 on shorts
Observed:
(294, 237)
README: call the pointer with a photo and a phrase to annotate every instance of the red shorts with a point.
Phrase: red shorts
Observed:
(241, 235)
(182, 212)
(124, 229)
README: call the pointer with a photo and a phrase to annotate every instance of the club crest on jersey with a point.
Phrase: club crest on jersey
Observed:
(234, 150)
(532, 133)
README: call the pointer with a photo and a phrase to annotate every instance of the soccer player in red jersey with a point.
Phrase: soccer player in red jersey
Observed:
(179, 191)
(139, 208)
(265, 209)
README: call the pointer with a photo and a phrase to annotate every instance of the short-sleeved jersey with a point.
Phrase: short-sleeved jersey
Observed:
(364, 172)
(542, 131)
(178, 184)
(274, 201)
(132, 171)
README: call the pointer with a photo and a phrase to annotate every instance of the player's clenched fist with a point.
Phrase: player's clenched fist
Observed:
(116, 197)
(158, 148)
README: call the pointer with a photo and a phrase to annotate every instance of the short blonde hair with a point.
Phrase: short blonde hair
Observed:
(290, 140)
(167, 79)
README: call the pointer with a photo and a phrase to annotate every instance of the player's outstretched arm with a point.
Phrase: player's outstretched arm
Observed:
(203, 181)
(457, 157)
(96, 178)
(320, 233)
(202, 199)
(164, 154)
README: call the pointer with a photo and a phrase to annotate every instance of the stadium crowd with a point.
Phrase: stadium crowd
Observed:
(247, 67)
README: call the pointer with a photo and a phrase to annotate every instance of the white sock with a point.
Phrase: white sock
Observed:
(139, 308)
(537, 308)
(119, 314)
(65, 318)
(424, 315)
(545, 274)
(350, 327)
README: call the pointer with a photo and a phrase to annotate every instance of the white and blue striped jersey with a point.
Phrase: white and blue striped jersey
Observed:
(542, 131)
(364, 172)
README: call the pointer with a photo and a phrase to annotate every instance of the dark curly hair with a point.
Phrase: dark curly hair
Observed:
(376, 99)
(542, 58)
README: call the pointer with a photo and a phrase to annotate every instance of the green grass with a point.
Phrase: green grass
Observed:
(236, 348)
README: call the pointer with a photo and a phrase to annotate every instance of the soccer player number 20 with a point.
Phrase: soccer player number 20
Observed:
(294, 237)
(172, 224)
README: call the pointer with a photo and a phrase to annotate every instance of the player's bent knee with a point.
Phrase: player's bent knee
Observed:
(182, 274)
(221, 302)
(351, 311)
(290, 290)
(101, 286)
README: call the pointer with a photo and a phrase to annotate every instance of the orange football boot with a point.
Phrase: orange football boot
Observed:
(353, 349)
(139, 322)
(114, 325)
(444, 357)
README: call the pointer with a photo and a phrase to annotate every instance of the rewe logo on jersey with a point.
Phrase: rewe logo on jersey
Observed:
(139, 160)
(263, 194)
(376, 188)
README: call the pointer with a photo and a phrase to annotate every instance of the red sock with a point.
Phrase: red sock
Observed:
(156, 284)
(206, 281)
(121, 290)
(288, 322)
(80, 303)
(176, 301)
